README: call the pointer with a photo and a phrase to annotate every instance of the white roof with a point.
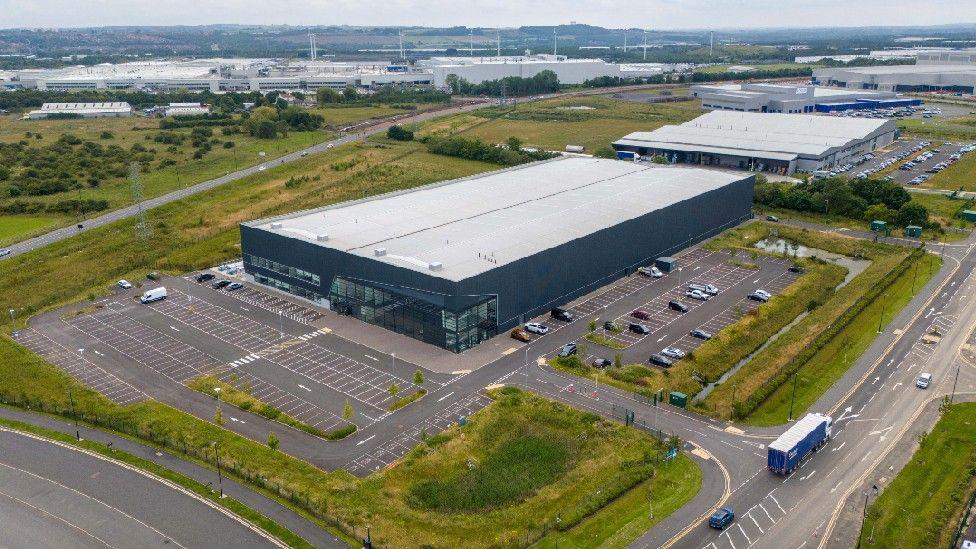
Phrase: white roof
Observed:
(458, 229)
(900, 69)
(749, 132)
(797, 432)
(117, 105)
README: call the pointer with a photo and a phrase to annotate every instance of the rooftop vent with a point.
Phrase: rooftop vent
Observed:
(379, 252)
(321, 237)
(276, 225)
(435, 266)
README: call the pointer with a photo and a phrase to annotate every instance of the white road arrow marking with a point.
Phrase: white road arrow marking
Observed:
(885, 430)
(300, 386)
(896, 386)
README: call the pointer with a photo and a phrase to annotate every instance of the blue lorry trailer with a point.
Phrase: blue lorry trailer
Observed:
(804, 437)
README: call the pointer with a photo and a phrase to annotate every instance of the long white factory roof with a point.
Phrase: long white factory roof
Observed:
(458, 229)
(771, 135)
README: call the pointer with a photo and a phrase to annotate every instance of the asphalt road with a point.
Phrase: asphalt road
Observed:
(54, 495)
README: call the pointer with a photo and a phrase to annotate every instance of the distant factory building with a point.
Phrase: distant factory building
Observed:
(569, 71)
(187, 109)
(455, 263)
(81, 110)
(778, 143)
(792, 99)
(951, 71)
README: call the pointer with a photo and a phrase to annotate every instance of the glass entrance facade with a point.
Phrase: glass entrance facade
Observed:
(408, 313)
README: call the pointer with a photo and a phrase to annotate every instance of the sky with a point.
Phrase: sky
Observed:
(661, 14)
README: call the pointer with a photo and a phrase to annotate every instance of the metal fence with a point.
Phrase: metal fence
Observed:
(962, 523)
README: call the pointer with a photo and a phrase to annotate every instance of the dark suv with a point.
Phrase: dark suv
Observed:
(561, 314)
(220, 284)
(677, 306)
(203, 277)
(662, 361)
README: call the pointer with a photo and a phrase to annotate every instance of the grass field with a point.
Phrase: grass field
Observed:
(955, 128)
(958, 176)
(553, 124)
(923, 504)
(344, 116)
(14, 228)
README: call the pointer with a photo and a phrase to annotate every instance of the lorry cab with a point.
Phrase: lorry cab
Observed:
(721, 518)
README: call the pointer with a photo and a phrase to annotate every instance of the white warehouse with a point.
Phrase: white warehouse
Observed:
(777, 143)
(569, 71)
(952, 71)
(781, 98)
(81, 110)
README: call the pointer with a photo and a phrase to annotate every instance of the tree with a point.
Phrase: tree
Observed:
(326, 96)
(605, 152)
(514, 144)
(418, 377)
(399, 133)
(350, 93)
(218, 417)
(347, 411)
(592, 326)
(394, 390)
(880, 212)
(912, 213)
(273, 441)
(617, 360)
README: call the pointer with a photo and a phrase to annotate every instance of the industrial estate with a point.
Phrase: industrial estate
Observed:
(402, 287)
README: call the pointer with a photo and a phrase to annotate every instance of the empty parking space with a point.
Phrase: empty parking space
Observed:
(78, 367)
(365, 384)
(158, 351)
(273, 303)
(396, 448)
(293, 405)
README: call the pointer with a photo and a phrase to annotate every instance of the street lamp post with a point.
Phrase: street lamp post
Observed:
(281, 328)
(220, 478)
(732, 408)
(954, 381)
(914, 277)
(793, 398)
(864, 513)
(881, 318)
(394, 365)
(74, 414)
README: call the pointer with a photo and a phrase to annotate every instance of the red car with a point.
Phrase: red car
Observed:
(641, 314)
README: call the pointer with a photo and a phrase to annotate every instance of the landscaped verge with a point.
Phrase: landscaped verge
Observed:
(924, 503)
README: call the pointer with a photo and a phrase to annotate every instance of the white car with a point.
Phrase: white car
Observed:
(4, 251)
(673, 352)
(537, 328)
(697, 294)
(124, 284)
(261, 168)
(330, 145)
(923, 381)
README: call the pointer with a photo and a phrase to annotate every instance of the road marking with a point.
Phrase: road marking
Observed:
(300, 386)
(364, 440)
(770, 495)
(372, 358)
(896, 386)
(728, 535)
(174, 328)
(761, 531)
(744, 534)
(836, 486)
(885, 430)
(662, 338)
(98, 353)
(808, 476)
(445, 396)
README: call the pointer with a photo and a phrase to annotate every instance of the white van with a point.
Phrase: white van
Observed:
(153, 295)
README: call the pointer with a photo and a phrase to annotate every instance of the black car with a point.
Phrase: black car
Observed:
(220, 284)
(602, 363)
(701, 334)
(153, 276)
(796, 269)
(561, 314)
(568, 349)
(203, 277)
(609, 325)
(659, 360)
(677, 306)
(639, 329)
(234, 286)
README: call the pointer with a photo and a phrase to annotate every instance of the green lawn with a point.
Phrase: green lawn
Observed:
(952, 129)
(957, 176)
(923, 505)
(14, 228)
(832, 361)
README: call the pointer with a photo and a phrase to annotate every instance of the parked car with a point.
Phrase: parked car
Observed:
(220, 284)
(602, 362)
(124, 284)
(651, 271)
(924, 381)
(567, 349)
(234, 286)
(673, 352)
(701, 334)
(537, 328)
(4, 252)
(662, 361)
(610, 326)
(639, 329)
(721, 518)
(796, 269)
(756, 296)
(520, 335)
(153, 275)
(699, 295)
(641, 314)
(772, 218)
(561, 314)
(677, 306)
(203, 277)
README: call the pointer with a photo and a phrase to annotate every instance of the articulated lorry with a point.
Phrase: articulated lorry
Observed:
(807, 435)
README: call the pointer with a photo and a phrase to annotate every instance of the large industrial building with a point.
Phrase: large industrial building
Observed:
(81, 110)
(569, 71)
(454, 263)
(792, 99)
(778, 143)
(950, 71)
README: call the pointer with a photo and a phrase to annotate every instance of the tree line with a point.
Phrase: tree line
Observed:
(511, 154)
(513, 86)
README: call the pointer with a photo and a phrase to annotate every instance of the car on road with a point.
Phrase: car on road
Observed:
(641, 314)
(561, 314)
(639, 329)
(662, 361)
(652, 271)
(124, 284)
(677, 306)
(261, 168)
(673, 352)
(330, 145)
(697, 294)
(234, 286)
(721, 518)
(567, 349)
(520, 335)
(220, 284)
(602, 362)
(4, 252)
(304, 153)
(772, 218)
(924, 381)
(203, 277)
(536, 328)
(701, 334)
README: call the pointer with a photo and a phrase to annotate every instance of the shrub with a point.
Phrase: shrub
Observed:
(399, 133)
